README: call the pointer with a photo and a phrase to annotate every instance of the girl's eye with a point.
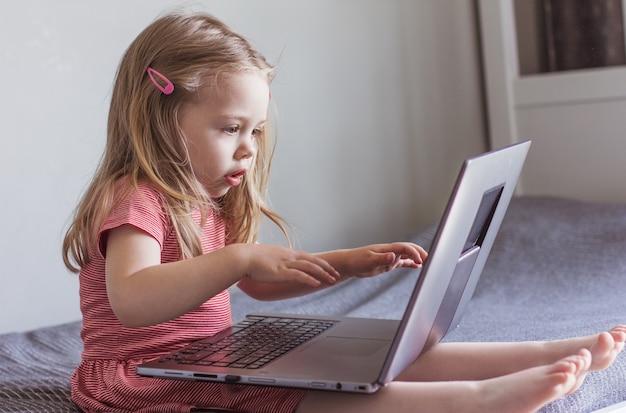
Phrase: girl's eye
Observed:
(232, 129)
(257, 132)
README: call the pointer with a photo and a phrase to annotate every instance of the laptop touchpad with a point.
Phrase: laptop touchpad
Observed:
(346, 346)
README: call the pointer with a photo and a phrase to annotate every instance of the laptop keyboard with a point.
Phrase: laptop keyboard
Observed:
(254, 342)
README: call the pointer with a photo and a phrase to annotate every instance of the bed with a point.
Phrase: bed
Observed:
(557, 269)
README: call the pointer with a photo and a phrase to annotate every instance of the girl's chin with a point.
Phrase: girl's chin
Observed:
(217, 193)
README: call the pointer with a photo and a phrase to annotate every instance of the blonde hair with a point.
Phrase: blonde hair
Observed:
(145, 141)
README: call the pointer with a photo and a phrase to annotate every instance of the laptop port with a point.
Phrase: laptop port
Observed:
(206, 376)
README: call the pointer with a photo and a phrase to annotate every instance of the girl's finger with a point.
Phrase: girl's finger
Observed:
(312, 269)
(323, 264)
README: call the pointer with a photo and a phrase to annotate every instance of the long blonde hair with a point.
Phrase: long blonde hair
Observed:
(145, 141)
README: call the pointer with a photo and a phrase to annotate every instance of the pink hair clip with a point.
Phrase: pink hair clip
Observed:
(169, 86)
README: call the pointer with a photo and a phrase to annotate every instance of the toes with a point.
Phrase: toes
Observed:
(618, 333)
(585, 359)
(607, 347)
(576, 364)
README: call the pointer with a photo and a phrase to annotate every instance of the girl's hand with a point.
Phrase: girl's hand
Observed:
(273, 264)
(375, 259)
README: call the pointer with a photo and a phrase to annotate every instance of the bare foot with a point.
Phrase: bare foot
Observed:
(529, 390)
(608, 345)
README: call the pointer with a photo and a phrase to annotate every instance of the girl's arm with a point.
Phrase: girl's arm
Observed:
(359, 262)
(142, 291)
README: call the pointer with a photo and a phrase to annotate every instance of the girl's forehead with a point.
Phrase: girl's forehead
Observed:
(243, 94)
(237, 83)
(225, 83)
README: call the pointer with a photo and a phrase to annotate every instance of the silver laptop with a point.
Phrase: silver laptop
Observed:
(360, 354)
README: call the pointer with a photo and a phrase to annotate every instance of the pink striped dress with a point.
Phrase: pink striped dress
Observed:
(106, 381)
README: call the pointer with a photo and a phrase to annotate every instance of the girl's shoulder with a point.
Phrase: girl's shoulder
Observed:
(125, 190)
(137, 201)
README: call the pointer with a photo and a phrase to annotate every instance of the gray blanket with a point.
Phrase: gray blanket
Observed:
(556, 270)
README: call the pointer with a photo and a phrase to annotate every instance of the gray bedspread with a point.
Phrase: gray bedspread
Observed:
(557, 269)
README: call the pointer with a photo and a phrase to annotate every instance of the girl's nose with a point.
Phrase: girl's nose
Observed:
(247, 147)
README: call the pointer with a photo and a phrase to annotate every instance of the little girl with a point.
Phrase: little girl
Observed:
(170, 221)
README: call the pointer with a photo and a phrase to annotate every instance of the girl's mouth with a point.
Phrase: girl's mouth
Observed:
(235, 178)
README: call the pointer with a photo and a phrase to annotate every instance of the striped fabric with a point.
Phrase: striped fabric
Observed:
(106, 380)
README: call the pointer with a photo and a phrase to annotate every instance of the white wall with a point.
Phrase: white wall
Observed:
(379, 102)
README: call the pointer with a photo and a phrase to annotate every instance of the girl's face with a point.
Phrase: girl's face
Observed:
(221, 125)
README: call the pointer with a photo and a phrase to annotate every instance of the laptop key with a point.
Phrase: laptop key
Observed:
(254, 342)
